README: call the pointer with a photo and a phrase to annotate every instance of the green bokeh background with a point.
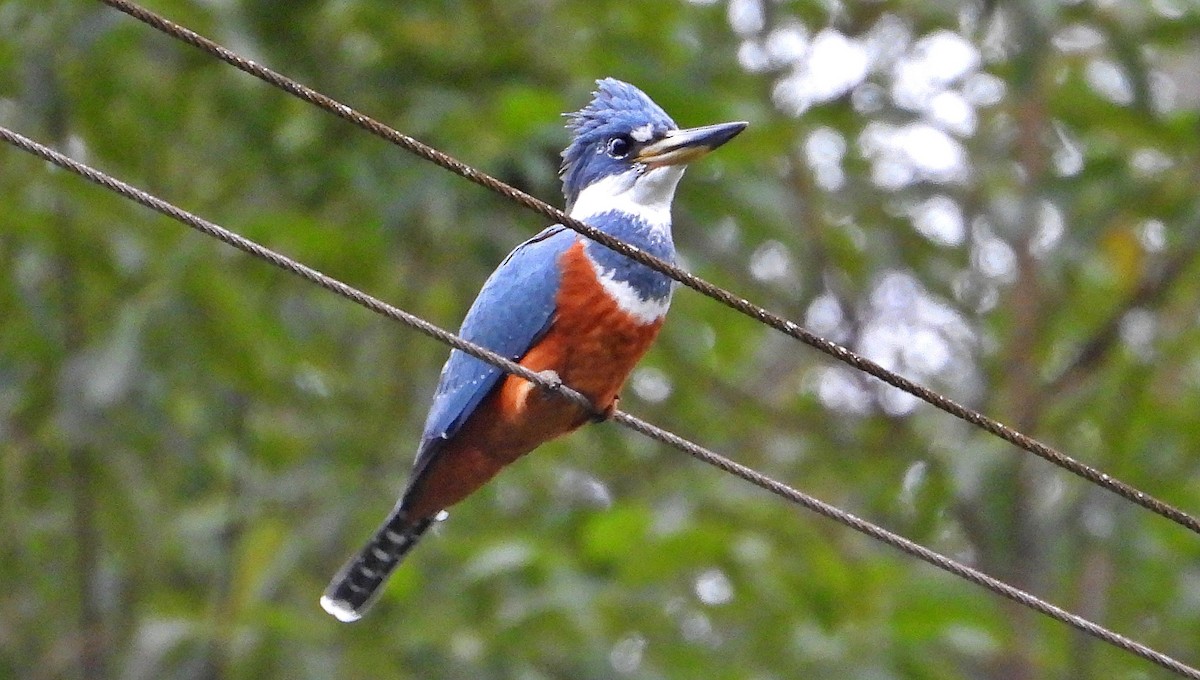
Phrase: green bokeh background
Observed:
(192, 441)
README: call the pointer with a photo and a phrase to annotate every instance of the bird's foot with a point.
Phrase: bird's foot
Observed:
(552, 378)
(553, 381)
(607, 412)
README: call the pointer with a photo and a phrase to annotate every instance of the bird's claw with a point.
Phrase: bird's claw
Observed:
(551, 379)
(551, 382)
(607, 412)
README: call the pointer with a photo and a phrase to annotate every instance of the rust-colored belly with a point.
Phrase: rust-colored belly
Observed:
(592, 345)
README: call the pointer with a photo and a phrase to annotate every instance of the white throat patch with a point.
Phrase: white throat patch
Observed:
(645, 195)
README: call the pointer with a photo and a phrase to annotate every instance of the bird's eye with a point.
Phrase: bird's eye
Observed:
(618, 147)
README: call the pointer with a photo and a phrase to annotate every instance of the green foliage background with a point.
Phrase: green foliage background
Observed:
(192, 441)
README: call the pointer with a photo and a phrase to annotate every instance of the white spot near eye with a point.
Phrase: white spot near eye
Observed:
(643, 133)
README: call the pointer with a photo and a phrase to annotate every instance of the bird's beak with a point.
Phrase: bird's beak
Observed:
(684, 146)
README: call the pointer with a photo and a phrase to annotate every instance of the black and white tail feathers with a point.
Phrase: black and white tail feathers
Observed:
(351, 593)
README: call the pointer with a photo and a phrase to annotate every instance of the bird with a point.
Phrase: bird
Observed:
(559, 304)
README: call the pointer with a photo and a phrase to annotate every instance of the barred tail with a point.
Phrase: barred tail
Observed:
(351, 593)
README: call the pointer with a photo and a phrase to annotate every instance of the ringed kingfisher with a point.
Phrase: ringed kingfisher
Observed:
(560, 304)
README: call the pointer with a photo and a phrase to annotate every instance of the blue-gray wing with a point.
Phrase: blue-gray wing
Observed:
(512, 312)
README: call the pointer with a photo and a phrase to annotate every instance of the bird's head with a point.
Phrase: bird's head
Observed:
(623, 144)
